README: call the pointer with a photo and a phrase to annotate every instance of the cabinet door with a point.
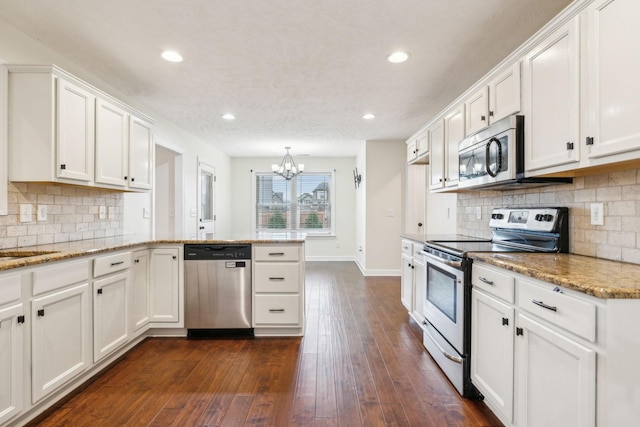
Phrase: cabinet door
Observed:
(11, 357)
(140, 290)
(453, 133)
(551, 92)
(110, 315)
(111, 144)
(140, 154)
(165, 292)
(556, 378)
(412, 150)
(613, 67)
(60, 339)
(415, 205)
(406, 285)
(436, 155)
(419, 285)
(422, 144)
(75, 132)
(477, 109)
(492, 327)
(504, 94)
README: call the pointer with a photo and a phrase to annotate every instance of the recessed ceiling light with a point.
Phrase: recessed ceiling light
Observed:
(369, 116)
(171, 56)
(228, 116)
(398, 57)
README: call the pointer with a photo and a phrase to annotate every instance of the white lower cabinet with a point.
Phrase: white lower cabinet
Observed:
(556, 378)
(492, 326)
(140, 314)
(110, 314)
(533, 350)
(165, 282)
(406, 283)
(413, 279)
(12, 331)
(278, 289)
(60, 338)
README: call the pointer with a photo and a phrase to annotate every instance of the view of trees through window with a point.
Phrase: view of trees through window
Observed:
(300, 204)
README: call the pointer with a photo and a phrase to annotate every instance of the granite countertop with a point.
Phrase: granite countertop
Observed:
(32, 255)
(593, 276)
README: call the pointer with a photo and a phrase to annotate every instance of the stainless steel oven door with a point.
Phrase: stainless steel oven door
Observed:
(444, 299)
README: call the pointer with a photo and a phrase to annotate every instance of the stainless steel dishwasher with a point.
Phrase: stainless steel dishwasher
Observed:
(217, 289)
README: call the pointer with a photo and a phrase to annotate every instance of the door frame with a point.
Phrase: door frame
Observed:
(209, 226)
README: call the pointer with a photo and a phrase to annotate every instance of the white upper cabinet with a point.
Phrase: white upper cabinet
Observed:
(418, 148)
(112, 144)
(551, 92)
(140, 153)
(498, 99)
(612, 72)
(58, 125)
(444, 135)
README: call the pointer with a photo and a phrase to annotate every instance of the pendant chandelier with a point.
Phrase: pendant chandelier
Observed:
(287, 168)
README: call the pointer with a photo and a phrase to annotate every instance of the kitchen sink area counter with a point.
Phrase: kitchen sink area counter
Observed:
(593, 276)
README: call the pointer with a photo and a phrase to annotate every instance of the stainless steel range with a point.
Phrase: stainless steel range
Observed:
(447, 303)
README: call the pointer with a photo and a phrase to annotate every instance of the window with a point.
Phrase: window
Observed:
(300, 204)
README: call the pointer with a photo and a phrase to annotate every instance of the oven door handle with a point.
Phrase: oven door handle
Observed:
(454, 264)
(446, 354)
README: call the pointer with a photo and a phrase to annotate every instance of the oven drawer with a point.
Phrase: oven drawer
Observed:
(565, 311)
(493, 282)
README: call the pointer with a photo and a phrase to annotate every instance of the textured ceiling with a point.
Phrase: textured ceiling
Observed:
(294, 72)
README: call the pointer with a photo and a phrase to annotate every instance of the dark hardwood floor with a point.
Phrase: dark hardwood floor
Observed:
(361, 362)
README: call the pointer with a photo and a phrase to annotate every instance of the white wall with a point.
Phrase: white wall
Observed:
(385, 170)
(340, 247)
(17, 48)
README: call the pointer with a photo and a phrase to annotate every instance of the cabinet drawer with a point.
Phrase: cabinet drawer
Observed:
(493, 282)
(277, 277)
(276, 253)
(59, 275)
(111, 263)
(10, 289)
(565, 311)
(277, 309)
(417, 251)
(407, 247)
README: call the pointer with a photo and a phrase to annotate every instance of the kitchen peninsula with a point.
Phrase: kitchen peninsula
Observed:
(69, 310)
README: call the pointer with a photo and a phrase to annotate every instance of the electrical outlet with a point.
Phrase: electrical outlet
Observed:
(41, 211)
(597, 214)
(25, 213)
(102, 212)
(390, 212)
(146, 213)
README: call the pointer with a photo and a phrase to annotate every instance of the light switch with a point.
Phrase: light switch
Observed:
(597, 214)
(146, 213)
(102, 212)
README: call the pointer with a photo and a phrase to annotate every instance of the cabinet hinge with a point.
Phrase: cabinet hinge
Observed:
(589, 140)
(21, 319)
(519, 331)
(505, 321)
(41, 312)
(215, 178)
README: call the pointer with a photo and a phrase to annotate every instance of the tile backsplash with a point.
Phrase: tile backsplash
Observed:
(619, 237)
(72, 214)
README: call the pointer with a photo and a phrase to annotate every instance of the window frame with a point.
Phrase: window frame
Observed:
(329, 232)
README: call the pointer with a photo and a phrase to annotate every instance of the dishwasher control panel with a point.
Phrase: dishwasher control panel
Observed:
(197, 252)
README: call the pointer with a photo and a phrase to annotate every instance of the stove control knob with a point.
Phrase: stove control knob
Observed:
(497, 216)
(548, 217)
(539, 217)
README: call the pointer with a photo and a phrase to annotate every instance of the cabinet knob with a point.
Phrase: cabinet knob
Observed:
(136, 261)
(174, 257)
(569, 145)
(589, 140)
(132, 179)
(419, 224)
(126, 177)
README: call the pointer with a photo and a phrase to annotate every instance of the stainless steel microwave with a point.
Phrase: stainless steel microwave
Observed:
(494, 158)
